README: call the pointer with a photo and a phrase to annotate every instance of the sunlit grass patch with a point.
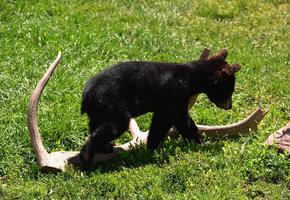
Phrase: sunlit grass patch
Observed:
(92, 35)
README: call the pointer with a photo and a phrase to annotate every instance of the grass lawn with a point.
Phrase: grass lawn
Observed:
(95, 34)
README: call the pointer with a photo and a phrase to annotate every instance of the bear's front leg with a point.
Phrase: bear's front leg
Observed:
(187, 128)
(160, 125)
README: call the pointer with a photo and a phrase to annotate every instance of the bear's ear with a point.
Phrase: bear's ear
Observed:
(221, 55)
(204, 54)
(235, 67)
(231, 69)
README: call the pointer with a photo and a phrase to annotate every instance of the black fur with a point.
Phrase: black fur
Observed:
(130, 89)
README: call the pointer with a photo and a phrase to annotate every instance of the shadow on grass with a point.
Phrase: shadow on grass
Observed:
(141, 156)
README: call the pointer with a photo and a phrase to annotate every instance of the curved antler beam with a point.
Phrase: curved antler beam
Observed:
(48, 162)
(250, 123)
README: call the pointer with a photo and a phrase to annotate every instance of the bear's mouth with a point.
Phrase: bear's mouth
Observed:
(226, 105)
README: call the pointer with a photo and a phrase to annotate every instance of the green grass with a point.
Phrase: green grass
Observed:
(95, 34)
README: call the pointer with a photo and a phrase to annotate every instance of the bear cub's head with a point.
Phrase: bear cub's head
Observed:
(220, 82)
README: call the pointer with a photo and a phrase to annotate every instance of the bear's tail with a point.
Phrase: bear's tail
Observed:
(84, 105)
(87, 96)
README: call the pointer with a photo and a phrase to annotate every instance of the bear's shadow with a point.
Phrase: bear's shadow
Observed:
(140, 156)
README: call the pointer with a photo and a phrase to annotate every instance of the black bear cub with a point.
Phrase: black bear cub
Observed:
(130, 89)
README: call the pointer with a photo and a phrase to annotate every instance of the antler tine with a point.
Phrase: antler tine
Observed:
(134, 128)
(35, 137)
(138, 136)
(250, 123)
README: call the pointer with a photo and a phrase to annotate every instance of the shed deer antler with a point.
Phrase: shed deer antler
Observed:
(56, 161)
